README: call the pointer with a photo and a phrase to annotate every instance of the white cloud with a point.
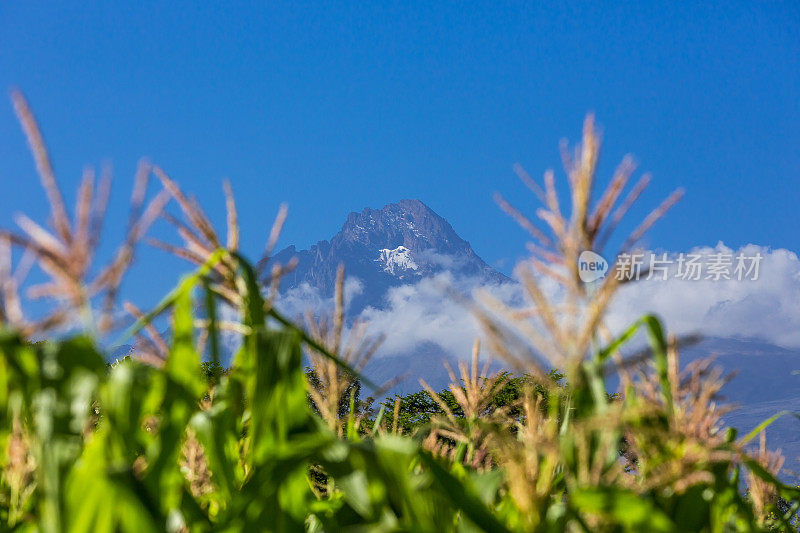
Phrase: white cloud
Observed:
(294, 303)
(436, 259)
(298, 300)
(767, 308)
(424, 313)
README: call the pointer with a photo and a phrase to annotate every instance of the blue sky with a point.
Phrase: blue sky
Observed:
(336, 107)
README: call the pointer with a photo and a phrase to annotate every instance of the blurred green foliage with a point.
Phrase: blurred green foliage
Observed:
(137, 448)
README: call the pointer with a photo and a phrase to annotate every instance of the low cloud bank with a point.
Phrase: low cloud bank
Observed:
(767, 308)
(297, 301)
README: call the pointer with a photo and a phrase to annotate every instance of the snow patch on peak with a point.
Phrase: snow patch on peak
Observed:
(396, 262)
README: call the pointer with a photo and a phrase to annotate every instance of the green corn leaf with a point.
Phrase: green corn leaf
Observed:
(765, 424)
(216, 431)
(183, 362)
(627, 508)
(658, 347)
(463, 499)
(617, 343)
(187, 283)
(212, 328)
(658, 344)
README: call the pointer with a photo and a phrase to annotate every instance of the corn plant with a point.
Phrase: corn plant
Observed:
(148, 443)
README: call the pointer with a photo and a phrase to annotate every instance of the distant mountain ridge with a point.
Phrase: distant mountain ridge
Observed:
(383, 248)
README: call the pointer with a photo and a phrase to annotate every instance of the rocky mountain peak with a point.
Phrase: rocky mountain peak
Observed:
(397, 244)
(408, 223)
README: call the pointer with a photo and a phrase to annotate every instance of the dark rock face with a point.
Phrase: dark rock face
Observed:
(385, 248)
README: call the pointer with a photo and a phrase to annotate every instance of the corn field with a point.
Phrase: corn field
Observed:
(149, 444)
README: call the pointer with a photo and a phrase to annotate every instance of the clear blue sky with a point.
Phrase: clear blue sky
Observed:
(335, 108)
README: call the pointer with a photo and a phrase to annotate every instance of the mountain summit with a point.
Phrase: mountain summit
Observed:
(384, 248)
